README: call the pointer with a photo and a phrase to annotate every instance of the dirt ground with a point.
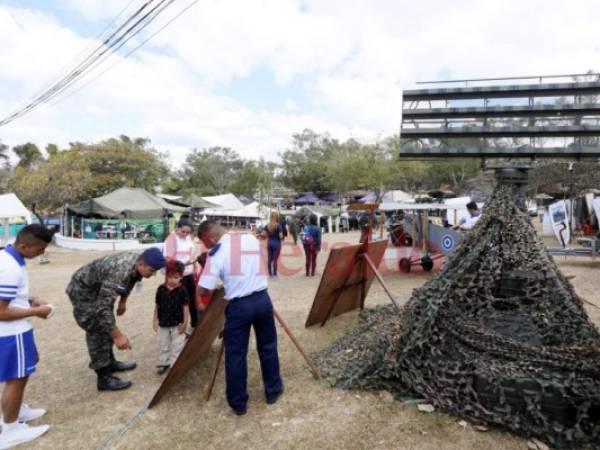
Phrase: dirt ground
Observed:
(310, 415)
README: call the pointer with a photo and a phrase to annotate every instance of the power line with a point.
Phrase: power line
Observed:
(94, 78)
(115, 46)
(61, 82)
(110, 45)
(89, 47)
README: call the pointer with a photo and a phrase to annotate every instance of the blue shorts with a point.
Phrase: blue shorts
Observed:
(18, 356)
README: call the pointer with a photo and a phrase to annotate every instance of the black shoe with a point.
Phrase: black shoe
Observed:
(120, 366)
(110, 383)
(240, 412)
(161, 369)
(273, 400)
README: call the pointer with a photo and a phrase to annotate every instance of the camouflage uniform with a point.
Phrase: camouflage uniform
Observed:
(93, 291)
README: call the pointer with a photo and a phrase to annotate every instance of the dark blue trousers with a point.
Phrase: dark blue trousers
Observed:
(254, 310)
(273, 251)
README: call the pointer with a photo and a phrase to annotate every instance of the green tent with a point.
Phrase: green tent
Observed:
(129, 203)
(195, 201)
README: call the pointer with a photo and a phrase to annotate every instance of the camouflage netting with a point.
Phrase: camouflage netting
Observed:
(498, 336)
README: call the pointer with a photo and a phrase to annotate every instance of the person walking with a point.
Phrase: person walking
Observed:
(311, 241)
(293, 227)
(179, 246)
(275, 234)
(235, 259)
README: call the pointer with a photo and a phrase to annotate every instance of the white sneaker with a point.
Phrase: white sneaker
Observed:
(20, 433)
(26, 413)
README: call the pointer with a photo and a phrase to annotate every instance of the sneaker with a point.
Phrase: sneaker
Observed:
(26, 413)
(161, 369)
(20, 433)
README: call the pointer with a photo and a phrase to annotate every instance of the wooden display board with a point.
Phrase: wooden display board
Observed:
(197, 345)
(346, 280)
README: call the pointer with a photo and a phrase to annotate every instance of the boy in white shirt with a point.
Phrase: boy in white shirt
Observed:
(18, 354)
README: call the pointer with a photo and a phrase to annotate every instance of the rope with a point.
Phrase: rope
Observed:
(119, 432)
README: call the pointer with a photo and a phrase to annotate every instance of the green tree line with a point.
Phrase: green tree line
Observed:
(313, 162)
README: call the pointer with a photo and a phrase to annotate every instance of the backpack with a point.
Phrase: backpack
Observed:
(308, 240)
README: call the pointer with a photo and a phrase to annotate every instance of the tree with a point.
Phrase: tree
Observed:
(210, 171)
(266, 179)
(89, 170)
(119, 162)
(304, 166)
(569, 177)
(64, 178)
(346, 167)
(28, 154)
(5, 169)
(3, 152)
(51, 150)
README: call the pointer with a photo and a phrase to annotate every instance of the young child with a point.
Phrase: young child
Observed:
(18, 354)
(171, 316)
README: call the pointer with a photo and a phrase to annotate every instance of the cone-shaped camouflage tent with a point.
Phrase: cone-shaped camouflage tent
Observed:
(498, 336)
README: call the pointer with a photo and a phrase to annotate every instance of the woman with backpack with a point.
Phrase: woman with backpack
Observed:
(311, 240)
(275, 234)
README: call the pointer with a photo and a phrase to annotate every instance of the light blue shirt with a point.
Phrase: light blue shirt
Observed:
(238, 263)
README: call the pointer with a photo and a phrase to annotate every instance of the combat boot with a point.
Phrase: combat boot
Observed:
(108, 382)
(120, 366)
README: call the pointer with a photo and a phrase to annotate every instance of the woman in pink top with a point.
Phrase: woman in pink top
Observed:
(180, 246)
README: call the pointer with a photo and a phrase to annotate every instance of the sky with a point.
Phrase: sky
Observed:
(248, 74)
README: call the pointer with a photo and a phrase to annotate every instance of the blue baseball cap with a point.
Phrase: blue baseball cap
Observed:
(154, 258)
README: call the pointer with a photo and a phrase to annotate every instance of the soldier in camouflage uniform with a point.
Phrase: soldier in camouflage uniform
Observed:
(93, 291)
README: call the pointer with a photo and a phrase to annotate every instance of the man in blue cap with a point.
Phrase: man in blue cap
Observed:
(93, 291)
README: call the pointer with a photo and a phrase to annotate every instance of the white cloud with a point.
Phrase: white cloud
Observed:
(94, 10)
(351, 60)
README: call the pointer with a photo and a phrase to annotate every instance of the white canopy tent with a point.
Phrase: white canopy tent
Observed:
(226, 202)
(10, 208)
(233, 212)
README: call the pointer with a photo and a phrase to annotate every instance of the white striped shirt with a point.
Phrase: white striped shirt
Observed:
(14, 288)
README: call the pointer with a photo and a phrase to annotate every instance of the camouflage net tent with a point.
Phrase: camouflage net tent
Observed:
(498, 336)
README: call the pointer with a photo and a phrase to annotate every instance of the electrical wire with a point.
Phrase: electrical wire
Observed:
(84, 51)
(109, 46)
(91, 80)
(40, 98)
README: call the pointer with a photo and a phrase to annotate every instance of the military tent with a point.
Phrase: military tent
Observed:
(130, 203)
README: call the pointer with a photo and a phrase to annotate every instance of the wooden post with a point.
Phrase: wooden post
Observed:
(380, 279)
(219, 357)
(215, 371)
(415, 242)
(309, 361)
(426, 231)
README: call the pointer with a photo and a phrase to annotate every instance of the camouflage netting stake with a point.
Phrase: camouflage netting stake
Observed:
(498, 336)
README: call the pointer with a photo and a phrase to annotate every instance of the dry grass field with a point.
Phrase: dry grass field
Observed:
(310, 415)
